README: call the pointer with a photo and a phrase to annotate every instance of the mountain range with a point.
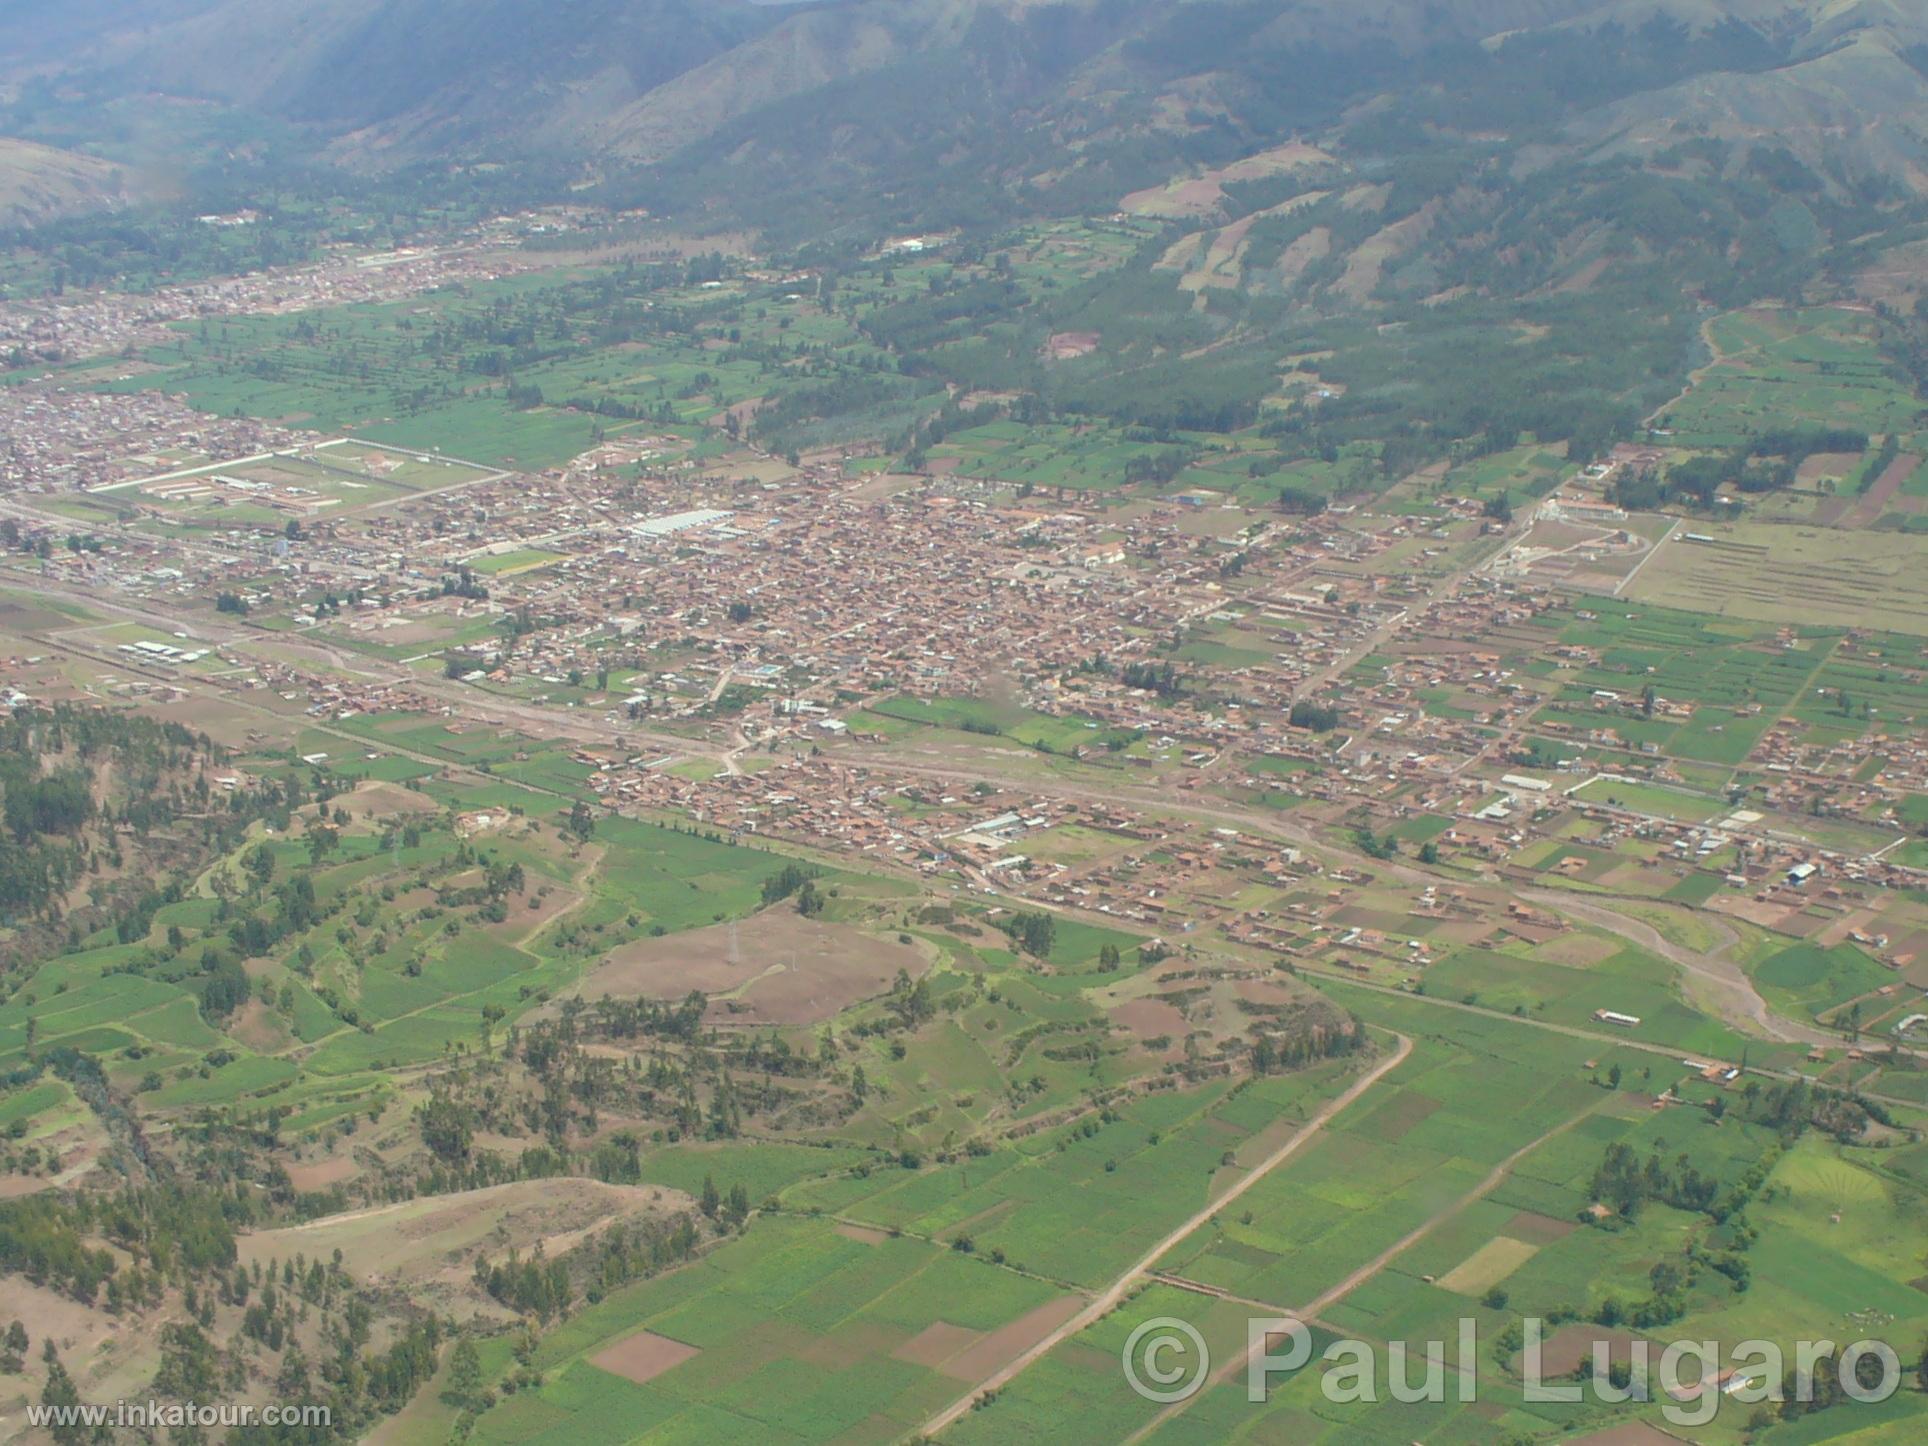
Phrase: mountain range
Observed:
(1435, 145)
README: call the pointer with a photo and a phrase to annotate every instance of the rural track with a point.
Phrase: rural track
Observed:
(551, 722)
(1744, 1005)
(1737, 996)
(1114, 1294)
(1733, 993)
(1675, 1053)
(1332, 1295)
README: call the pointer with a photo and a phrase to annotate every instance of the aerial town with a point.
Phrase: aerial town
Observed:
(862, 722)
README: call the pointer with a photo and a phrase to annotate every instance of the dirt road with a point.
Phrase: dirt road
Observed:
(1109, 1298)
(1312, 1308)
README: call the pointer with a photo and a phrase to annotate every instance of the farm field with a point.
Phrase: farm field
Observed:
(1727, 681)
(864, 1271)
(384, 986)
(1783, 574)
(776, 787)
(1814, 366)
(1456, 1217)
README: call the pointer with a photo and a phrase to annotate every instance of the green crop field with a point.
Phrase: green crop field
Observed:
(1815, 367)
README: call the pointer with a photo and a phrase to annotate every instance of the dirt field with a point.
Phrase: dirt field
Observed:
(935, 1344)
(320, 1174)
(772, 968)
(1793, 574)
(1869, 506)
(1537, 1229)
(1571, 1347)
(226, 723)
(427, 1247)
(386, 800)
(1827, 464)
(643, 1356)
(1151, 1018)
(968, 1355)
(1202, 195)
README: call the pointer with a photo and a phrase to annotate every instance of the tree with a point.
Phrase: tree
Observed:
(447, 1129)
(712, 1197)
(465, 1374)
(13, 1356)
(1034, 930)
(61, 1399)
(261, 864)
(582, 823)
(1378, 846)
(1318, 717)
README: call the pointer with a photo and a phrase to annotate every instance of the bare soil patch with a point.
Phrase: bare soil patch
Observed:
(1538, 1229)
(935, 1344)
(371, 799)
(1200, 196)
(1006, 1343)
(259, 1028)
(92, 1343)
(1571, 1346)
(427, 1247)
(1867, 510)
(772, 968)
(1579, 950)
(15, 618)
(1826, 464)
(1633, 1433)
(313, 1175)
(528, 915)
(643, 1356)
(221, 720)
(1151, 1018)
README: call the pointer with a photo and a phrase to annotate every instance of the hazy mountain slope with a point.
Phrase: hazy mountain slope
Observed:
(1013, 45)
(869, 114)
(816, 48)
(407, 79)
(39, 183)
(636, 81)
(1856, 112)
(505, 72)
(75, 33)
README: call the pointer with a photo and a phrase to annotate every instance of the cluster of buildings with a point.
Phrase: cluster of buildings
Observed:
(56, 439)
(96, 323)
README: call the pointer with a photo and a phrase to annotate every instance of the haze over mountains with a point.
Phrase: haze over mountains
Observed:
(1477, 146)
(385, 82)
